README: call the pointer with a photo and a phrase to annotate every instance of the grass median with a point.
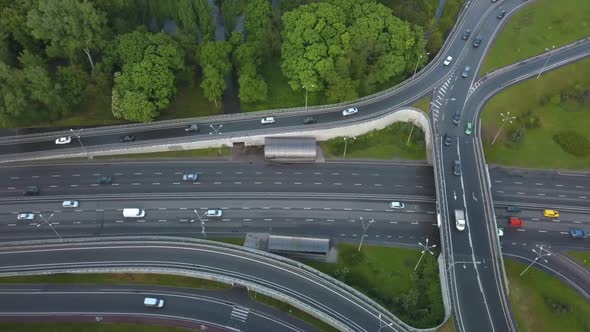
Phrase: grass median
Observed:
(389, 143)
(87, 327)
(581, 256)
(386, 275)
(548, 124)
(199, 153)
(542, 303)
(540, 25)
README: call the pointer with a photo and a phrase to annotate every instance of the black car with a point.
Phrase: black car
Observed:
(457, 168)
(502, 14)
(192, 128)
(456, 118)
(466, 34)
(310, 120)
(32, 191)
(477, 41)
(104, 180)
(448, 140)
(127, 138)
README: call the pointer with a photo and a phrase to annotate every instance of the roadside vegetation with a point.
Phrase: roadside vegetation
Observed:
(550, 124)
(87, 327)
(285, 307)
(199, 153)
(542, 303)
(162, 60)
(386, 275)
(539, 26)
(422, 104)
(388, 143)
(581, 256)
(116, 279)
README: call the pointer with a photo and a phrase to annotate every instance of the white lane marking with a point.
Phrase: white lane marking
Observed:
(536, 219)
(430, 212)
(297, 183)
(237, 182)
(162, 208)
(258, 173)
(57, 175)
(266, 207)
(419, 186)
(97, 210)
(269, 219)
(257, 182)
(298, 173)
(309, 219)
(94, 185)
(561, 196)
(358, 184)
(541, 194)
(579, 187)
(239, 172)
(11, 188)
(497, 181)
(115, 221)
(393, 222)
(137, 173)
(539, 184)
(327, 208)
(368, 209)
(75, 174)
(278, 182)
(287, 208)
(577, 222)
(118, 174)
(521, 230)
(136, 184)
(183, 208)
(335, 173)
(499, 191)
(355, 174)
(520, 193)
(247, 219)
(10, 225)
(141, 220)
(216, 182)
(378, 185)
(73, 185)
(542, 231)
(582, 197)
(161, 220)
(337, 184)
(559, 185)
(317, 183)
(517, 182)
(245, 208)
(307, 208)
(115, 184)
(183, 219)
(155, 183)
(317, 173)
(330, 220)
(279, 173)
(175, 182)
(347, 209)
(14, 177)
(158, 173)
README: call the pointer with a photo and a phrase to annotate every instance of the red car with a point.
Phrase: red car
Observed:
(515, 222)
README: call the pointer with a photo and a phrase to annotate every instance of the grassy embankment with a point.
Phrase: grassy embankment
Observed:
(539, 25)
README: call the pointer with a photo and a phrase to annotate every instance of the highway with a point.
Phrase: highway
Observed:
(190, 308)
(345, 308)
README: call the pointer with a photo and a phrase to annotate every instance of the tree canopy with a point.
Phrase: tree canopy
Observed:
(146, 82)
(347, 47)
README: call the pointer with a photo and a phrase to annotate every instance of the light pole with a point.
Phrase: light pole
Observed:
(200, 217)
(505, 118)
(305, 88)
(550, 55)
(77, 135)
(425, 248)
(364, 231)
(411, 131)
(46, 220)
(418, 62)
(540, 255)
(346, 138)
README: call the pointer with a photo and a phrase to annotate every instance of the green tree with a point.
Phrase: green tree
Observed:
(345, 45)
(146, 82)
(253, 88)
(258, 23)
(69, 26)
(213, 83)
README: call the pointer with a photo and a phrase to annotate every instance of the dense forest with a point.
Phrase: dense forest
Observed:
(56, 53)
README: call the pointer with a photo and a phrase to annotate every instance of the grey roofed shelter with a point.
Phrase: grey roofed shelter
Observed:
(291, 149)
(291, 244)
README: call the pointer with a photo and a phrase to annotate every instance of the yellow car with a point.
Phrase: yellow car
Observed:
(551, 213)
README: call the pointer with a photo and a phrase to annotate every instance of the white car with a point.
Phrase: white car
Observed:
(63, 140)
(500, 232)
(153, 302)
(460, 224)
(397, 205)
(350, 111)
(213, 213)
(25, 216)
(190, 177)
(448, 60)
(267, 120)
(70, 204)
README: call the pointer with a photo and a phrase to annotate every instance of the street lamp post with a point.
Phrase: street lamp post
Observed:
(46, 221)
(305, 88)
(505, 118)
(425, 248)
(411, 131)
(200, 217)
(540, 255)
(382, 324)
(346, 138)
(550, 55)
(417, 63)
(364, 231)
(77, 135)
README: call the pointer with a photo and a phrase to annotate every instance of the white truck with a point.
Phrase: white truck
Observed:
(460, 219)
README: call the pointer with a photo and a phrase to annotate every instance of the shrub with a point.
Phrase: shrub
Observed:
(556, 99)
(573, 143)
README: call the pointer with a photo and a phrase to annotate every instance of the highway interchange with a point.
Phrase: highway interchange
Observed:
(331, 201)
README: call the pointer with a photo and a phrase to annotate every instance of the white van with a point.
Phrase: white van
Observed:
(153, 302)
(133, 213)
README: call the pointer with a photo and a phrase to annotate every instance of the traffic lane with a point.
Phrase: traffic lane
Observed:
(543, 200)
(76, 301)
(403, 179)
(289, 280)
(543, 179)
(535, 219)
(530, 238)
(471, 299)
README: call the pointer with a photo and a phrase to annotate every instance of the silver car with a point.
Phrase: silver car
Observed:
(350, 111)
(25, 216)
(70, 204)
(190, 177)
(214, 213)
